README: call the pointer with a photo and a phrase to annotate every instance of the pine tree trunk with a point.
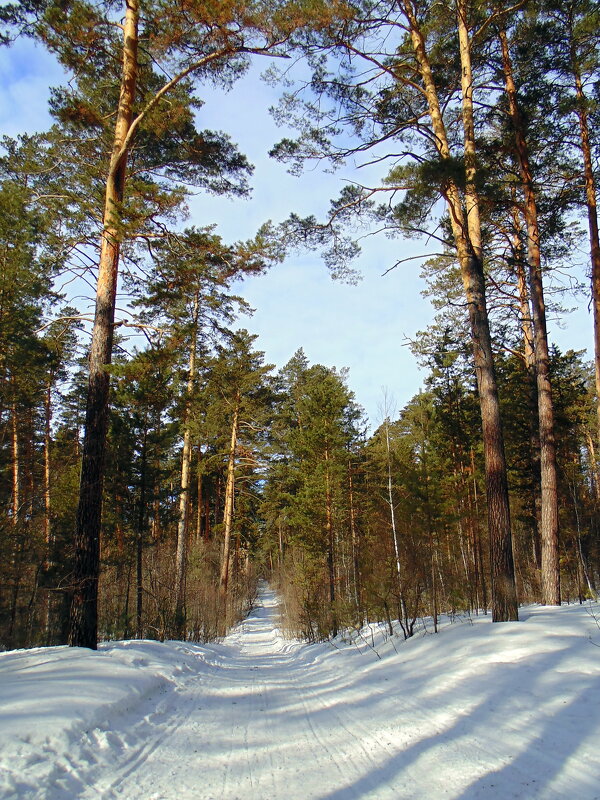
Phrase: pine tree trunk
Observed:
(83, 622)
(432, 548)
(184, 496)
(592, 213)
(229, 500)
(139, 588)
(16, 467)
(357, 593)
(29, 464)
(47, 506)
(206, 517)
(594, 465)
(504, 597)
(529, 359)
(141, 534)
(199, 499)
(47, 443)
(330, 539)
(466, 84)
(15, 520)
(548, 469)
(280, 542)
(236, 558)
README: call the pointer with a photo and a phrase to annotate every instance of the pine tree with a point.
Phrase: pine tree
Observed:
(548, 467)
(414, 81)
(192, 45)
(26, 301)
(576, 60)
(308, 493)
(236, 417)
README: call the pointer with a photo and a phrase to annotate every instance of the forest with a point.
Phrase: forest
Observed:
(153, 467)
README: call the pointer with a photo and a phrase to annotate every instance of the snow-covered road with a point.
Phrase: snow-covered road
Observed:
(479, 711)
(264, 718)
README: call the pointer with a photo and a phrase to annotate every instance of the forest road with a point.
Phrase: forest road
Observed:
(264, 718)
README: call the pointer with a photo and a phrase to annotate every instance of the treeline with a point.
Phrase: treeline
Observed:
(393, 526)
(178, 451)
(482, 118)
(225, 472)
(482, 115)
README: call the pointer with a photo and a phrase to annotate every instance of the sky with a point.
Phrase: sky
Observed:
(365, 327)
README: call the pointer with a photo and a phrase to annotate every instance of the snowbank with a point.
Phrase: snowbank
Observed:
(58, 705)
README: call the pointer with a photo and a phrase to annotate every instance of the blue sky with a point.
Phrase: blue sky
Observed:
(364, 327)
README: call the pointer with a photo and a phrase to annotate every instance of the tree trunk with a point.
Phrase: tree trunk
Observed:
(199, 499)
(432, 545)
(141, 531)
(280, 542)
(466, 84)
(139, 588)
(391, 506)
(592, 213)
(15, 519)
(529, 359)
(16, 471)
(504, 595)
(594, 467)
(402, 601)
(206, 517)
(468, 247)
(47, 443)
(519, 258)
(355, 547)
(126, 598)
(548, 470)
(184, 496)
(330, 539)
(229, 500)
(29, 466)
(582, 569)
(83, 622)
(47, 506)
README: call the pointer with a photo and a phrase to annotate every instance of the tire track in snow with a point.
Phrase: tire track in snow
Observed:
(268, 719)
(151, 731)
(234, 719)
(353, 758)
(256, 717)
(321, 739)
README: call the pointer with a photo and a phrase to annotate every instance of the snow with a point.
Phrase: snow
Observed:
(477, 711)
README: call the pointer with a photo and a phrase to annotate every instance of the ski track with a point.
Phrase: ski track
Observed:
(265, 718)
(258, 721)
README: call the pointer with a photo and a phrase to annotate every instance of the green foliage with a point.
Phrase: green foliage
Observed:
(306, 497)
(354, 530)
